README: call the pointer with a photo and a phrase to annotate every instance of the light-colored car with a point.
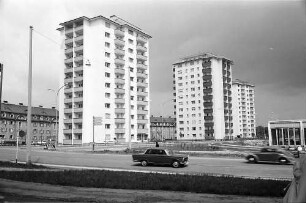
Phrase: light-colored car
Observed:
(271, 155)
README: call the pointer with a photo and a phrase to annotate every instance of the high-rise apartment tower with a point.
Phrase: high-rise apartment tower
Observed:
(203, 97)
(106, 73)
(244, 109)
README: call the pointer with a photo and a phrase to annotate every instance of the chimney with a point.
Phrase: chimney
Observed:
(21, 104)
(53, 107)
(5, 102)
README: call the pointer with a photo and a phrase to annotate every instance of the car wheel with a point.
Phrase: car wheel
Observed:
(252, 159)
(282, 161)
(144, 163)
(175, 164)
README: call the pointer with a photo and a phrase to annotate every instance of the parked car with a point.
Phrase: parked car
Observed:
(162, 157)
(272, 155)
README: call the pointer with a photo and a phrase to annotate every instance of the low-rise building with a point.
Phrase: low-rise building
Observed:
(14, 121)
(287, 132)
(163, 128)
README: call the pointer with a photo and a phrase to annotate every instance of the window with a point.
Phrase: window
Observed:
(131, 41)
(131, 60)
(131, 32)
(107, 24)
(107, 34)
(107, 105)
(107, 115)
(107, 54)
(107, 64)
(107, 75)
(107, 126)
(107, 95)
(130, 50)
(107, 85)
(107, 44)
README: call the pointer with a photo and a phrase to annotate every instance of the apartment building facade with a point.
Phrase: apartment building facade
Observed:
(14, 120)
(203, 97)
(244, 115)
(106, 72)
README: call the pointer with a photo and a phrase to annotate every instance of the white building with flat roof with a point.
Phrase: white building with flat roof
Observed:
(106, 72)
(244, 116)
(203, 97)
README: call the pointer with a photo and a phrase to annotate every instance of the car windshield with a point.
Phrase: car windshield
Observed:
(169, 152)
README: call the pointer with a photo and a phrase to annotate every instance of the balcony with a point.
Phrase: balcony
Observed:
(144, 94)
(119, 90)
(78, 69)
(77, 130)
(143, 130)
(67, 141)
(68, 90)
(207, 71)
(68, 41)
(78, 79)
(68, 70)
(78, 28)
(68, 31)
(67, 121)
(119, 101)
(141, 39)
(78, 58)
(68, 50)
(208, 104)
(78, 48)
(206, 64)
(119, 110)
(207, 77)
(67, 131)
(142, 121)
(207, 84)
(141, 48)
(208, 118)
(119, 130)
(119, 42)
(119, 81)
(78, 110)
(209, 124)
(78, 99)
(77, 120)
(119, 32)
(68, 80)
(142, 66)
(119, 61)
(208, 110)
(144, 103)
(208, 97)
(78, 89)
(209, 131)
(142, 112)
(69, 60)
(142, 84)
(141, 75)
(119, 120)
(208, 90)
(69, 100)
(120, 52)
(66, 110)
(120, 71)
(141, 57)
(77, 141)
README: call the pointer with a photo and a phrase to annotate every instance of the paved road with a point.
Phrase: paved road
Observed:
(214, 165)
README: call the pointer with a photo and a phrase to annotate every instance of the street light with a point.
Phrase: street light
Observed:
(17, 141)
(56, 109)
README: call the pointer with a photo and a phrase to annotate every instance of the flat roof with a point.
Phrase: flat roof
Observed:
(118, 21)
(204, 55)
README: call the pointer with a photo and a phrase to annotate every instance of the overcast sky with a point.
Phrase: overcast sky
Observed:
(265, 39)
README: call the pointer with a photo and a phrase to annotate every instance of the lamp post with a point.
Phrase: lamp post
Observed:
(17, 141)
(56, 109)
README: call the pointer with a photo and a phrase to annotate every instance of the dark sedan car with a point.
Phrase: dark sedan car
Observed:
(271, 155)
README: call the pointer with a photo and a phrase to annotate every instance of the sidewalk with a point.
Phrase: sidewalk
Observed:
(14, 191)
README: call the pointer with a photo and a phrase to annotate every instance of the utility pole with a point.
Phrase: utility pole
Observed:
(29, 116)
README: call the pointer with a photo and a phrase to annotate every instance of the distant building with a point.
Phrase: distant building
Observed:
(287, 132)
(244, 116)
(203, 97)
(106, 69)
(163, 128)
(14, 119)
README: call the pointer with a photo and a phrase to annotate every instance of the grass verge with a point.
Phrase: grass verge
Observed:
(7, 164)
(152, 181)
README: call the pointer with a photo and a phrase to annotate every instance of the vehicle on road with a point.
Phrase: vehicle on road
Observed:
(161, 157)
(271, 155)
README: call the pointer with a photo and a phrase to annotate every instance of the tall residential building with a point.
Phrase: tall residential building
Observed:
(106, 72)
(244, 109)
(203, 101)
